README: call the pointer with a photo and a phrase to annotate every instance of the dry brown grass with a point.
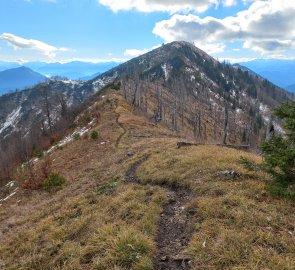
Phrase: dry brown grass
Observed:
(239, 225)
(91, 230)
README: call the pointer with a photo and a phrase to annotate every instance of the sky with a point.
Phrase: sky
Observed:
(117, 30)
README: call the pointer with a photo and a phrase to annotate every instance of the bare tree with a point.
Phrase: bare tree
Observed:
(63, 104)
(47, 108)
(225, 124)
(174, 114)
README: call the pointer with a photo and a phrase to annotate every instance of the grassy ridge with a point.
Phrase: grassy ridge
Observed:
(241, 226)
(98, 222)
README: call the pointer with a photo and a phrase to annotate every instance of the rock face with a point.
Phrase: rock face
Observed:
(229, 174)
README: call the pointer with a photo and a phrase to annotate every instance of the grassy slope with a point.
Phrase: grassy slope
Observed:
(90, 224)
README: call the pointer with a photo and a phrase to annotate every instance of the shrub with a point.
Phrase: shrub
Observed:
(279, 151)
(94, 135)
(53, 182)
(116, 86)
(54, 139)
(38, 153)
(279, 155)
(250, 165)
(76, 136)
(29, 178)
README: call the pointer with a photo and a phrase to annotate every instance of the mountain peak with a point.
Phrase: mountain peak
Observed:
(19, 78)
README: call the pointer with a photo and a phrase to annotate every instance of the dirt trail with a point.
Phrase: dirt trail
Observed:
(175, 226)
(122, 134)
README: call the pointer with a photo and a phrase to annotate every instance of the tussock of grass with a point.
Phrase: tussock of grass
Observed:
(97, 231)
(240, 225)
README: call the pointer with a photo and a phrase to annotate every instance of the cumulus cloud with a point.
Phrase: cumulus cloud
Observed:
(265, 46)
(263, 27)
(229, 3)
(171, 6)
(192, 28)
(94, 60)
(19, 43)
(236, 60)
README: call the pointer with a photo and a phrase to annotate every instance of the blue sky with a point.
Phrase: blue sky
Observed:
(106, 30)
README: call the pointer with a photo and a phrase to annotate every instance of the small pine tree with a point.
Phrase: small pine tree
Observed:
(279, 156)
(94, 135)
(38, 153)
(279, 151)
(76, 137)
(53, 182)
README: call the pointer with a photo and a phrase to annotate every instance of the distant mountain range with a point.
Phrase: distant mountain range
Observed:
(279, 72)
(73, 70)
(15, 76)
(19, 78)
(86, 78)
(291, 88)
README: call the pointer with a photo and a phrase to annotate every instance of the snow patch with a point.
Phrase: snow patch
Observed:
(104, 81)
(263, 108)
(165, 69)
(11, 120)
(79, 131)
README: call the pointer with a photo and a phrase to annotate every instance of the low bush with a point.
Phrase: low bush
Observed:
(38, 153)
(53, 182)
(94, 135)
(278, 153)
(76, 136)
(54, 139)
(116, 86)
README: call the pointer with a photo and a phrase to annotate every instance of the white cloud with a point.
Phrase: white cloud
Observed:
(236, 60)
(136, 52)
(19, 43)
(263, 27)
(192, 28)
(265, 46)
(229, 3)
(171, 6)
(210, 48)
(94, 60)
